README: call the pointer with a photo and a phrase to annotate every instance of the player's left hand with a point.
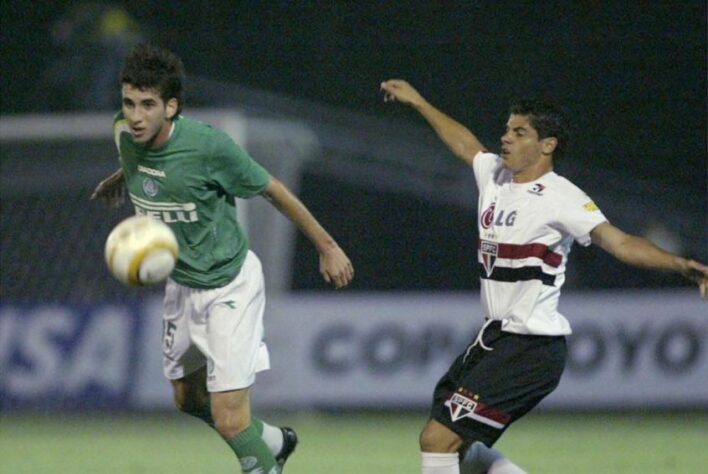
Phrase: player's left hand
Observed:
(698, 273)
(335, 267)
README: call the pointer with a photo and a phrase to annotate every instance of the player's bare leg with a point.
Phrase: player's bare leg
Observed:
(191, 397)
(231, 411)
(438, 448)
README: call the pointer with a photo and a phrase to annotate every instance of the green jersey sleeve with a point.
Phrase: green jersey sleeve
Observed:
(231, 168)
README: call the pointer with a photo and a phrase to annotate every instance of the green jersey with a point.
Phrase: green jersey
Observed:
(190, 183)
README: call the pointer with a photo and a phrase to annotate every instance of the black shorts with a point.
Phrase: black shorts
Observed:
(483, 392)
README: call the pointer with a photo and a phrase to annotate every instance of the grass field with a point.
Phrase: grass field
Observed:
(351, 443)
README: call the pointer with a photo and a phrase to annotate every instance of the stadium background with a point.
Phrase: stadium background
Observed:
(298, 84)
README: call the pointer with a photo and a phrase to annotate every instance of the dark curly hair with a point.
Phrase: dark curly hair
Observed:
(151, 67)
(547, 119)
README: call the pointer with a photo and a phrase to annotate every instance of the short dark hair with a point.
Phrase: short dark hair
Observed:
(151, 67)
(547, 118)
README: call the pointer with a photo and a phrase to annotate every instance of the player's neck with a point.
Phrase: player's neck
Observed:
(532, 173)
(163, 135)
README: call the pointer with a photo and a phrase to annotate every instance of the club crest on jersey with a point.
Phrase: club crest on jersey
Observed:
(150, 187)
(489, 251)
(460, 407)
(537, 189)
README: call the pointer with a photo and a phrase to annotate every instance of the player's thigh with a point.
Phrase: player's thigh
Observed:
(233, 334)
(181, 356)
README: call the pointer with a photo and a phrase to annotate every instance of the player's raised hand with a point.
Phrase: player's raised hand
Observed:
(399, 90)
(335, 267)
(111, 190)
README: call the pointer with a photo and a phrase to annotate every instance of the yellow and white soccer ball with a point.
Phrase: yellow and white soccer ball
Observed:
(141, 251)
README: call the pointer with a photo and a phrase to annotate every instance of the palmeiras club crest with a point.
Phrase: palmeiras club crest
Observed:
(489, 251)
(150, 187)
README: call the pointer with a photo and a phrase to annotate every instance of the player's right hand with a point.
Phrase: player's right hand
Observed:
(698, 273)
(401, 91)
(335, 267)
(111, 190)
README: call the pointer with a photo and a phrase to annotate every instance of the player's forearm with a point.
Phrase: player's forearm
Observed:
(116, 176)
(458, 138)
(290, 206)
(640, 252)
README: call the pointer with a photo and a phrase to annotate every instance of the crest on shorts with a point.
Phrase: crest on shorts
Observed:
(489, 251)
(460, 407)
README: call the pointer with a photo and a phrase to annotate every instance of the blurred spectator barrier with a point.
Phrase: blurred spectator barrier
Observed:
(394, 198)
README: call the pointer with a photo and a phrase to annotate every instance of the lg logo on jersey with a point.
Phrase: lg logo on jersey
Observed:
(488, 217)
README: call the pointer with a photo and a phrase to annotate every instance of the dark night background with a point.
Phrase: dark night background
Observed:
(631, 74)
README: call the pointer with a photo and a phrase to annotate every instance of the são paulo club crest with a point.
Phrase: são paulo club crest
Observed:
(465, 404)
(460, 407)
(489, 251)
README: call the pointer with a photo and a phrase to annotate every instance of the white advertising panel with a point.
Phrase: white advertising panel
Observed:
(628, 350)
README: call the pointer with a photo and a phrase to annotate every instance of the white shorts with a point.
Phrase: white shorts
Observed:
(219, 327)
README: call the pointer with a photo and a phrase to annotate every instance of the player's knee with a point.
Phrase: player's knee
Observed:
(437, 438)
(229, 423)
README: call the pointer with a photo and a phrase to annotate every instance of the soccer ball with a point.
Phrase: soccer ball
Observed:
(141, 251)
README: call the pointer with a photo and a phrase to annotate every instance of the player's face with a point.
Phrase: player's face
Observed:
(522, 152)
(147, 115)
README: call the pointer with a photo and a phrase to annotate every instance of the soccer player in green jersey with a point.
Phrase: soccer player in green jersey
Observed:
(187, 174)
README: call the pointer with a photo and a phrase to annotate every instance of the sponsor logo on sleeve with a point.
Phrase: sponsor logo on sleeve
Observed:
(590, 206)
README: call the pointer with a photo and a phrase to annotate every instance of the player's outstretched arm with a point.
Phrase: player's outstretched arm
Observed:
(111, 190)
(460, 140)
(641, 252)
(335, 266)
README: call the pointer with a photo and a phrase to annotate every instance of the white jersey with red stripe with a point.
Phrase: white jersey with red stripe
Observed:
(526, 231)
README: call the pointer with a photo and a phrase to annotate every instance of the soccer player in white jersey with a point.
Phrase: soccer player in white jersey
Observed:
(528, 219)
(187, 174)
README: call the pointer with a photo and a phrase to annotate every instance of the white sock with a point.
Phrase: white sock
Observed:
(504, 466)
(273, 437)
(478, 459)
(439, 463)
